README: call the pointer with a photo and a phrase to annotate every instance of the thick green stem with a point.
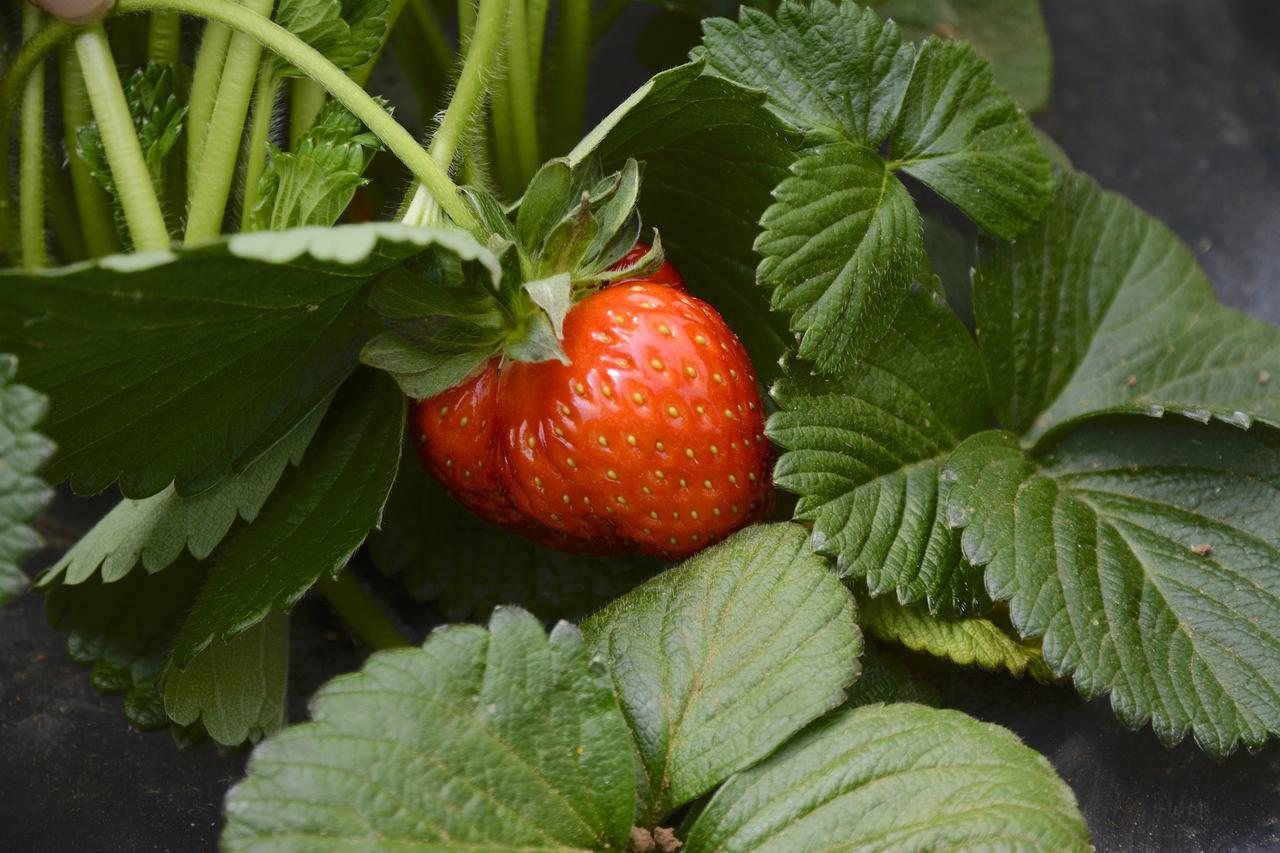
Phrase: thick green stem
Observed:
(164, 38)
(538, 10)
(216, 171)
(264, 104)
(31, 155)
(92, 201)
(210, 61)
(60, 209)
(522, 92)
(306, 100)
(433, 35)
(346, 91)
(504, 143)
(573, 51)
(120, 141)
(466, 21)
(360, 612)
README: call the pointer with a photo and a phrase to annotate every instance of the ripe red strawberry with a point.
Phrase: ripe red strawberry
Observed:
(650, 440)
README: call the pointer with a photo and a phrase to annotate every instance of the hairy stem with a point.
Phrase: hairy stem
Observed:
(466, 21)
(92, 202)
(573, 50)
(306, 100)
(60, 207)
(216, 171)
(522, 92)
(31, 155)
(360, 612)
(164, 38)
(204, 92)
(120, 141)
(264, 104)
(346, 91)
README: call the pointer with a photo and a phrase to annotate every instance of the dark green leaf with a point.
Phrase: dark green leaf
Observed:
(1009, 33)
(348, 32)
(236, 689)
(863, 452)
(895, 777)
(719, 661)
(502, 739)
(1102, 310)
(23, 495)
(966, 139)
(189, 365)
(1147, 555)
(312, 523)
(444, 553)
(841, 245)
(886, 677)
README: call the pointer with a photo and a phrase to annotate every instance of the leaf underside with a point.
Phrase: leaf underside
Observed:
(23, 494)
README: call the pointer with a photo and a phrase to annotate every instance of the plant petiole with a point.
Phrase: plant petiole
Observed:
(264, 102)
(360, 612)
(31, 155)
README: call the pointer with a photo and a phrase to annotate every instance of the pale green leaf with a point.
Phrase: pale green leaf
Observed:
(1147, 556)
(156, 530)
(890, 778)
(236, 689)
(719, 661)
(23, 495)
(1101, 309)
(502, 739)
(841, 245)
(863, 452)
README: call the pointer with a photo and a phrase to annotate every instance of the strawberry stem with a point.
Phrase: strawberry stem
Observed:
(91, 199)
(361, 612)
(31, 155)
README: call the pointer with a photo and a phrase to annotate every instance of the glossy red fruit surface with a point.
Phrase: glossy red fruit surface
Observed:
(665, 274)
(650, 440)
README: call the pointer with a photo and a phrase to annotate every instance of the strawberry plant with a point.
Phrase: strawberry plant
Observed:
(820, 301)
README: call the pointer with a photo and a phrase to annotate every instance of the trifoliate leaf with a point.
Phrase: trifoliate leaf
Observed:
(1101, 309)
(864, 451)
(23, 494)
(500, 739)
(314, 184)
(156, 530)
(965, 138)
(841, 245)
(712, 155)
(1147, 555)
(189, 365)
(971, 641)
(236, 689)
(1011, 34)
(719, 661)
(886, 677)
(348, 32)
(313, 522)
(125, 631)
(446, 554)
(895, 777)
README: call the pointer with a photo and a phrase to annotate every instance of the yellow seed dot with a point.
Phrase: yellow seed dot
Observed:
(537, 481)
(706, 484)
(673, 411)
(658, 473)
(621, 362)
(661, 447)
(664, 329)
(648, 532)
(696, 537)
(751, 406)
(422, 439)
(638, 397)
(636, 287)
(606, 390)
(565, 410)
(566, 499)
(444, 410)
(467, 473)
(448, 463)
(715, 510)
(759, 438)
(586, 500)
(672, 540)
(700, 340)
(620, 499)
(728, 413)
(751, 476)
(533, 442)
(656, 364)
(733, 374)
(465, 420)
(734, 508)
(717, 377)
(676, 516)
(609, 510)
(555, 517)
(734, 445)
(725, 347)
(571, 463)
(604, 442)
(646, 490)
(580, 388)
(683, 483)
(701, 410)
(691, 373)
(714, 450)
(694, 515)
(653, 514)
(631, 440)
(733, 479)
(558, 431)
(611, 474)
(688, 451)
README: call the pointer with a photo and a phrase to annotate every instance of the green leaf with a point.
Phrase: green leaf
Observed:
(1156, 556)
(1011, 34)
(188, 365)
(156, 530)
(348, 32)
(864, 451)
(719, 661)
(314, 184)
(885, 678)
(712, 155)
(830, 67)
(965, 138)
(313, 522)
(971, 641)
(236, 689)
(501, 739)
(23, 495)
(125, 630)
(841, 245)
(1102, 310)
(445, 554)
(895, 777)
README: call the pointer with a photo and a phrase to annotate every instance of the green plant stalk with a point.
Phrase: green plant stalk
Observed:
(264, 102)
(60, 207)
(433, 35)
(522, 93)
(360, 612)
(504, 143)
(392, 16)
(538, 10)
(31, 155)
(466, 22)
(210, 61)
(91, 199)
(164, 38)
(120, 141)
(215, 173)
(345, 90)
(573, 53)
(306, 100)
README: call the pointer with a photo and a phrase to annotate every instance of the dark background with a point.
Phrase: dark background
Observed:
(1175, 103)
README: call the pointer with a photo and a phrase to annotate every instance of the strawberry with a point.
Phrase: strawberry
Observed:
(650, 440)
